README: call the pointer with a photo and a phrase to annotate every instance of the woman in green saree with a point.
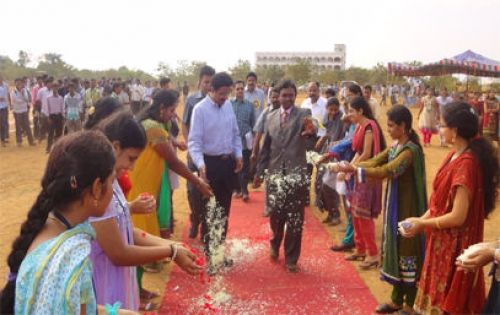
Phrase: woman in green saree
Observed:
(403, 165)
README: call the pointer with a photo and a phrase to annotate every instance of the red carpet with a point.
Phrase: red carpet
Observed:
(326, 284)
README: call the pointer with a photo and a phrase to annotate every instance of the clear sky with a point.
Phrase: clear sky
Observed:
(139, 34)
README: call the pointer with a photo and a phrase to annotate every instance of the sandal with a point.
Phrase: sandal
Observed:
(148, 295)
(367, 265)
(355, 257)
(386, 308)
(148, 307)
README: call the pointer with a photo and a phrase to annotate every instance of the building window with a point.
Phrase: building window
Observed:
(337, 59)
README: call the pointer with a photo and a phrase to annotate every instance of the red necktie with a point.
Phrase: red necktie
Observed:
(284, 119)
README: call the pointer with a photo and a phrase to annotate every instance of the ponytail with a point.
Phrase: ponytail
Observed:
(413, 136)
(30, 228)
(462, 116)
(487, 157)
(74, 164)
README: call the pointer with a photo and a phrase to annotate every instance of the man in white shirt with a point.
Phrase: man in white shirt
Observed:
(136, 96)
(4, 111)
(42, 96)
(374, 105)
(148, 93)
(443, 100)
(255, 95)
(317, 105)
(20, 100)
(73, 110)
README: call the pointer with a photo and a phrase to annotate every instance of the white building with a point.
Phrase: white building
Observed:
(334, 60)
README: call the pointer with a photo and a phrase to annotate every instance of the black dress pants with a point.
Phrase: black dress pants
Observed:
(56, 124)
(221, 177)
(287, 209)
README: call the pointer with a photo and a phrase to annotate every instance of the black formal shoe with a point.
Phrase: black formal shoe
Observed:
(212, 271)
(386, 309)
(292, 268)
(193, 232)
(228, 262)
(273, 254)
(342, 248)
(246, 197)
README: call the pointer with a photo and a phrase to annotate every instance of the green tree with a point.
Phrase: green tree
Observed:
(378, 74)
(23, 59)
(164, 70)
(271, 74)
(446, 81)
(184, 71)
(300, 72)
(240, 70)
(52, 58)
(330, 76)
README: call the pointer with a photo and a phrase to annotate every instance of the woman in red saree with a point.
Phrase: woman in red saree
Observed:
(366, 197)
(463, 194)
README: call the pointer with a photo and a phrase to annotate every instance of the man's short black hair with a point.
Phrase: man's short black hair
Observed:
(331, 91)
(252, 74)
(221, 79)
(164, 81)
(206, 70)
(368, 87)
(239, 82)
(332, 101)
(286, 84)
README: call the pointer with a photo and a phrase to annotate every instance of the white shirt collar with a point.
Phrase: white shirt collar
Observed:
(289, 110)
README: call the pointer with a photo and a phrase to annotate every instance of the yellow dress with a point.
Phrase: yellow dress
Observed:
(146, 175)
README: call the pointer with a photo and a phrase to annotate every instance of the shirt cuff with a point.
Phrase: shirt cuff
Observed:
(199, 162)
(238, 154)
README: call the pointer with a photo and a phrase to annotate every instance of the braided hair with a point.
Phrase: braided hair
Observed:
(74, 164)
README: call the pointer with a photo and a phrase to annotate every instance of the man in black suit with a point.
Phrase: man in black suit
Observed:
(283, 155)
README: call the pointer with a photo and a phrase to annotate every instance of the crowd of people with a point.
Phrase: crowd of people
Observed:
(105, 211)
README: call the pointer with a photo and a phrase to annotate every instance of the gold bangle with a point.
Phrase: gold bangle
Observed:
(438, 226)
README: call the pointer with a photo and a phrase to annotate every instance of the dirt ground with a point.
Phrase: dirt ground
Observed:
(21, 170)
